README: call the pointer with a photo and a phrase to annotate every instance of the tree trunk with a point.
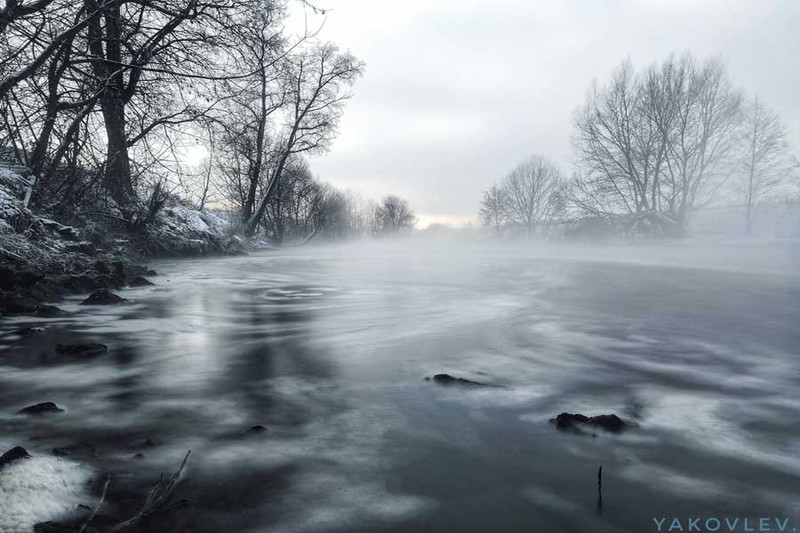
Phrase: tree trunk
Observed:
(117, 178)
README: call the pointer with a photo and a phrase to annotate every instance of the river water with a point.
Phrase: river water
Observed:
(329, 348)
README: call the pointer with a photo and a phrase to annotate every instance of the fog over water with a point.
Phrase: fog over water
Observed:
(329, 348)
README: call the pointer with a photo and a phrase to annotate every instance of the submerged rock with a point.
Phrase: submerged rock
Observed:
(40, 409)
(46, 310)
(14, 454)
(447, 379)
(140, 281)
(611, 422)
(147, 443)
(28, 332)
(102, 297)
(78, 449)
(82, 351)
(256, 430)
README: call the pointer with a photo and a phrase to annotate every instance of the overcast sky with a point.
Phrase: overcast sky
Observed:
(456, 92)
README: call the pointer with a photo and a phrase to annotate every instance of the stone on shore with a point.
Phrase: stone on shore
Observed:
(102, 297)
(14, 454)
(140, 281)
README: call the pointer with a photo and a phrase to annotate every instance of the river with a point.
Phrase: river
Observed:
(328, 348)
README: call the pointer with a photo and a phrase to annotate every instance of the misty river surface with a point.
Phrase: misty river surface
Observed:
(329, 348)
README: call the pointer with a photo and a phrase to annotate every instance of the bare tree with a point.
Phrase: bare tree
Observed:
(394, 215)
(315, 83)
(494, 209)
(766, 162)
(529, 190)
(657, 142)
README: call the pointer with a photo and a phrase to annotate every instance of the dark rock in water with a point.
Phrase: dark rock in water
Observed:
(147, 443)
(140, 281)
(256, 430)
(79, 449)
(46, 310)
(102, 297)
(139, 456)
(40, 409)
(611, 423)
(82, 351)
(150, 273)
(447, 379)
(28, 332)
(14, 454)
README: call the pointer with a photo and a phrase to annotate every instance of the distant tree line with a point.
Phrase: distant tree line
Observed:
(650, 147)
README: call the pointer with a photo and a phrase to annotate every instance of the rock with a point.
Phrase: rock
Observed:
(102, 297)
(46, 310)
(82, 283)
(256, 430)
(78, 449)
(447, 379)
(28, 332)
(140, 281)
(14, 454)
(18, 305)
(611, 422)
(139, 456)
(12, 279)
(82, 351)
(151, 273)
(147, 443)
(40, 409)
(46, 290)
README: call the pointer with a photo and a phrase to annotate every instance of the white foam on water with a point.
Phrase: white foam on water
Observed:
(41, 489)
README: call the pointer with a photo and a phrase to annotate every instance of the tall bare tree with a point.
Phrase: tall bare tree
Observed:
(315, 83)
(766, 162)
(658, 141)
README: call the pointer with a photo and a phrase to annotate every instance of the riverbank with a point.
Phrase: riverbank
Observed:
(44, 258)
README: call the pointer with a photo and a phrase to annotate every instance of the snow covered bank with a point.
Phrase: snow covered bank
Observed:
(42, 259)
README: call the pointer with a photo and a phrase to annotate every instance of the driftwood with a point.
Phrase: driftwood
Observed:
(157, 499)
